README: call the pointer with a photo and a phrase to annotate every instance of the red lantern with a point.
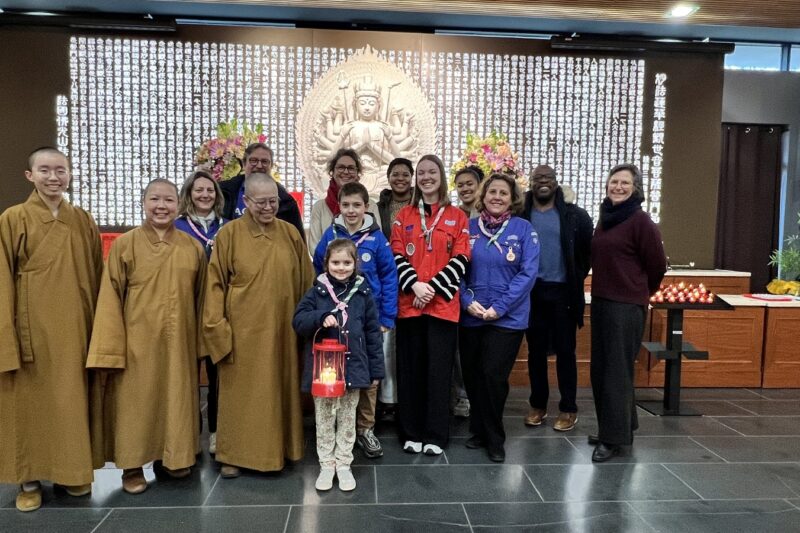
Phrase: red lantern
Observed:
(328, 377)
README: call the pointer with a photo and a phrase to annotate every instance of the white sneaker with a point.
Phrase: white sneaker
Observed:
(325, 478)
(212, 443)
(412, 447)
(461, 409)
(346, 480)
(432, 449)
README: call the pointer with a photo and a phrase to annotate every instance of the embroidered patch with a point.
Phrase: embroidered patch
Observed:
(366, 257)
(535, 237)
(512, 238)
(410, 228)
(449, 222)
(370, 238)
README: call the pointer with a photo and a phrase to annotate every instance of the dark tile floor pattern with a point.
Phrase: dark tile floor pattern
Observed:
(735, 469)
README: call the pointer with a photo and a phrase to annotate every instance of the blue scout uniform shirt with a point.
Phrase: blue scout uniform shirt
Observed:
(503, 278)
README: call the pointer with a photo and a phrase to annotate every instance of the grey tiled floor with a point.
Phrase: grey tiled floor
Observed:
(735, 469)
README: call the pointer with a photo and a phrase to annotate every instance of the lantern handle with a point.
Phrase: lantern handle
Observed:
(339, 329)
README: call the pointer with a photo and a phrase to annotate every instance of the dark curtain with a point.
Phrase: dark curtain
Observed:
(749, 200)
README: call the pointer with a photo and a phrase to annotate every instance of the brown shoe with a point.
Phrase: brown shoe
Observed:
(535, 417)
(78, 490)
(230, 471)
(133, 481)
(30, 500)
(565, 421)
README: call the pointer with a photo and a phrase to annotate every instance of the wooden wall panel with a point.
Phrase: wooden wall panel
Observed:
(781, 348)
(733, 339)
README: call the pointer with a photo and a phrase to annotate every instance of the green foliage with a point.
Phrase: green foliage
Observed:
(788, 259)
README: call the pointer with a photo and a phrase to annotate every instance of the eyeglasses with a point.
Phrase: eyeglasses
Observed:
(60, 172)
(263, 162)
(262, 204)
(343, 170)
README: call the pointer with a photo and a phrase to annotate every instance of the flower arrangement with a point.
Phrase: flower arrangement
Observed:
(491, 154)
(223, 155)
(788, 262)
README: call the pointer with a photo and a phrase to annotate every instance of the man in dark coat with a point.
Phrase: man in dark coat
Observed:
(557, 299)
(258, 157)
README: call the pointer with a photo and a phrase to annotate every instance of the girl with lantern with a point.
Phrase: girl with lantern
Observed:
(339, 302)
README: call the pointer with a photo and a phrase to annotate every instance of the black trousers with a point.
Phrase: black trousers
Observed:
(617, 330)
(212, 398)
(487, 357)
(425, 350)
(552, 326)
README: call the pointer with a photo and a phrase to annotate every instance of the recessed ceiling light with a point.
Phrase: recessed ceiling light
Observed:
(680, 11)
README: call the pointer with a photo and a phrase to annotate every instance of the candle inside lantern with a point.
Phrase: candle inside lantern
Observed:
(328, 376)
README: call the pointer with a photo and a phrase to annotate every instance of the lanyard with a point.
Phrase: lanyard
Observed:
(428, 232)
(341, 305)
(358, 242)
(493, 238)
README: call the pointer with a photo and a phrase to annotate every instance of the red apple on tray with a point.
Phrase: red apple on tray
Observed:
(682, 292)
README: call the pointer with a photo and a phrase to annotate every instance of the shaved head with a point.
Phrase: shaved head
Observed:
(160, 180)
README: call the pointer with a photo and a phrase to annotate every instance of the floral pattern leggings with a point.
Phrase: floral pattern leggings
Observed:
(336, 428)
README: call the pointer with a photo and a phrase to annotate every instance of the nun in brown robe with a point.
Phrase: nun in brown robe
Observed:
(50, 267)
(147, 335)
(49, 277)
(259, 271)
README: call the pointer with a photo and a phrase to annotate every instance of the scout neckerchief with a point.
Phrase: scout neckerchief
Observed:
(498, 233)
(341, 305)
(426, 231)
(208, 242)
(358, 242)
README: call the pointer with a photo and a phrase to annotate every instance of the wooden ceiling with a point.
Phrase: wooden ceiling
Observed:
(751, 13)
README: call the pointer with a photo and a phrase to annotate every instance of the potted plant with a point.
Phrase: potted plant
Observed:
(787, 260)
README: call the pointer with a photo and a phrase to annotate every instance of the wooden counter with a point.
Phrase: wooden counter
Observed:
(733, 340)
(717, 281)
(781, 347)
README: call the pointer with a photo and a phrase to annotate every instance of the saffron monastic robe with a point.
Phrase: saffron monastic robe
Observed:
(147, 333)
(255, 280)
(49, 276)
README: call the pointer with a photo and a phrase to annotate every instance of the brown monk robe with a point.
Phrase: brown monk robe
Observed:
(146, 332)
(49, 276)
(259, 271)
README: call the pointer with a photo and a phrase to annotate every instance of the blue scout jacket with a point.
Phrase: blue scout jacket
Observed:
(503, 278)
(375, 263)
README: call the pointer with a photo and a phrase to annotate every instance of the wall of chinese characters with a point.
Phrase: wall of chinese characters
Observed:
(128, 109)
(161, 99)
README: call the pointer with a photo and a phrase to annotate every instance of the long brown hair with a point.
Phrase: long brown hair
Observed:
(444, 196)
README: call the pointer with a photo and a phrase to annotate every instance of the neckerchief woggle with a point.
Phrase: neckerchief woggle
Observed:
(341, 305)
(493, 238)
(428, 232)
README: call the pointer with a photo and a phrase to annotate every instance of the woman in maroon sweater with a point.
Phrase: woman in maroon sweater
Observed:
(628, 264)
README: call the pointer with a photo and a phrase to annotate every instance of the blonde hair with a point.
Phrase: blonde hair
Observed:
(186, 206)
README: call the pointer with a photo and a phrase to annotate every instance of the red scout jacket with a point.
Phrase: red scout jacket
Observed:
(443, 266)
